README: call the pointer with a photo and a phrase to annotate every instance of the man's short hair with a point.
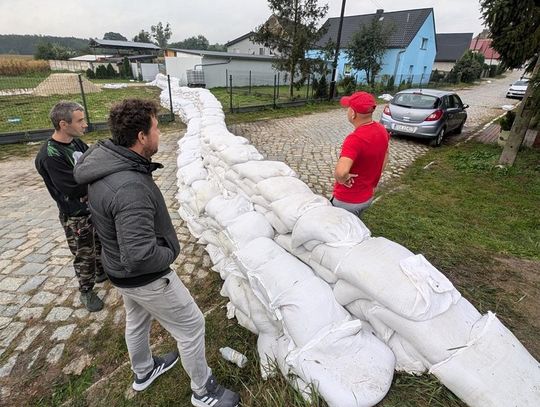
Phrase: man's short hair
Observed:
(63, 110)
(128, 118)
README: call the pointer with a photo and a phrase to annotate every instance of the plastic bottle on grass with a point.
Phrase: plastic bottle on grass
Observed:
(233, 356)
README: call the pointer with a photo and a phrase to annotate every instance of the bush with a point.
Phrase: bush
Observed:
(320, 88)
(18, 66)
(390, 85)
(126, 69)
(468, 68)
(101, 72)
(348, 84)
(111, 73)
(90, 74)
(507, 121)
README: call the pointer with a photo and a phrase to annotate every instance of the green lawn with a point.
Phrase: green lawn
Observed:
(33, 111)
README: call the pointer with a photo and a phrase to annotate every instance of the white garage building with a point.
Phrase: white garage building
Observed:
(245, 69)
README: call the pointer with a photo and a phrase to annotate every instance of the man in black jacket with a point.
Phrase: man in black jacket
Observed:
(54, 162)
(139, 245)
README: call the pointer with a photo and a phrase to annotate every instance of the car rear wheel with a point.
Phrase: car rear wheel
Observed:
(437, 140)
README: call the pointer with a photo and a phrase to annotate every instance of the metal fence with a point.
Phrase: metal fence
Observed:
(25, 102)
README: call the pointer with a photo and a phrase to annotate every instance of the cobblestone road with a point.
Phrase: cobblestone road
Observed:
(39, 302)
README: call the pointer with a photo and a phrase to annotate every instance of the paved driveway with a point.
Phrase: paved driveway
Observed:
(39, 306)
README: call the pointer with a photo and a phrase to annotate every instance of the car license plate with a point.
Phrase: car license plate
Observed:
(408, 129)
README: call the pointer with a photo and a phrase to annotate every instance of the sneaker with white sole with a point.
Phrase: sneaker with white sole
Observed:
(161, 365)
(216, 396)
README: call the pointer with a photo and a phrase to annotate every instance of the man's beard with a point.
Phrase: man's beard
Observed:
(149, 152)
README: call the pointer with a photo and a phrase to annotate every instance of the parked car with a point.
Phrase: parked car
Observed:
(518, 89)
(425, 113)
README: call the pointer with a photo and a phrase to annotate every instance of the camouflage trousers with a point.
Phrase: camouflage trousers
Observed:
(84, 244)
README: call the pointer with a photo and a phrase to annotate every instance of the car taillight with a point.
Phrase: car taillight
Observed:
(386, 111)
(436, 115)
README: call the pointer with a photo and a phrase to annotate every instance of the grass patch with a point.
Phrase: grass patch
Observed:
(32, 112)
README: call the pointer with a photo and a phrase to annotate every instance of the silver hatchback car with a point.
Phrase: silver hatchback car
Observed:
(425, 113)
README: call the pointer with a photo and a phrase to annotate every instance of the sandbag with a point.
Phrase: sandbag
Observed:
(307, 308)
(290, 208)
(224, 210)
(374, 265)
(247, 227)
(257, 171)
(236, 154)
(330, 225)
(276, 188)
(493, 369)
(348, 365)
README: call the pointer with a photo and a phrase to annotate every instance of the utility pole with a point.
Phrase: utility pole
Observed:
(336, 56)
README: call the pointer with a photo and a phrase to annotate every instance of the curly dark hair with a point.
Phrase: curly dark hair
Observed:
(128, 118)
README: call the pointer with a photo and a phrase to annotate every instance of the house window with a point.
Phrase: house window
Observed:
(424, 43)
(261, 51)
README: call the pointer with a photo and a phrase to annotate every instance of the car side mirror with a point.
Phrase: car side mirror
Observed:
(465, 106)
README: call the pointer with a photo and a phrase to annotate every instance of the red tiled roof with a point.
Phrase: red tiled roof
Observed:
(484, 46)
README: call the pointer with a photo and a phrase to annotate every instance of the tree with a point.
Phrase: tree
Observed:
(161, 34)
(126, 69)
(143, 36)
(198, 42)
(367, 48)
(48, 50)
(468, 68)
(515, 34)
(114, 36)
(291, 32)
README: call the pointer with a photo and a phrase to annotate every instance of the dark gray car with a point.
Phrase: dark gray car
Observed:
(425, 113)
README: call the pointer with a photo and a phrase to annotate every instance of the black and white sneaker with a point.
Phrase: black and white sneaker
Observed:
(216, 396)
(161, 365)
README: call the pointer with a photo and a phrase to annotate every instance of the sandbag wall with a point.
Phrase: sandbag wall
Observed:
(329, 303)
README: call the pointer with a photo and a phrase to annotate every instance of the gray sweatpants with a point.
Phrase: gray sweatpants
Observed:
(169, 302)
(357, 209)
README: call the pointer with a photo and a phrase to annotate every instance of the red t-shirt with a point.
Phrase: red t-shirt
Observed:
(366, 146)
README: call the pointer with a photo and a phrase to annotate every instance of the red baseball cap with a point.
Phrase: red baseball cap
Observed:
(360, 102)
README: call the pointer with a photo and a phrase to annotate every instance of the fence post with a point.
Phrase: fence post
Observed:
(278, 85)
(230, 93)
(227, 79)
(307, 90)
(170, 97)
(250, 81)
(275, 81)
(90, 127)
(421, 79)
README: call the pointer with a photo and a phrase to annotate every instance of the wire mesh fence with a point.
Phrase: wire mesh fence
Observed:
(25, 102)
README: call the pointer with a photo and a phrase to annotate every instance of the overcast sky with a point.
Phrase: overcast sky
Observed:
(218, 20)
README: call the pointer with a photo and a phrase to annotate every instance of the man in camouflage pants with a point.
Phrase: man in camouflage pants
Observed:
(55, 162)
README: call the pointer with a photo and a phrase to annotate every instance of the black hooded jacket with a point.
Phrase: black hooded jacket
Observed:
(129, 213)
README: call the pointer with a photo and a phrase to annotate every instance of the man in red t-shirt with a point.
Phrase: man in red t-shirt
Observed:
(363, 155)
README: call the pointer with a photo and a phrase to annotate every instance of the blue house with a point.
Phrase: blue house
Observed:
(411, 47)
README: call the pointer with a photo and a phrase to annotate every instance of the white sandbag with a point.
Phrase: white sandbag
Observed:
(236, 154)
(330, 225)
(276, 188)
(349, 366)
(307, 308)
(187, 157)
(259, 200)
(239, 292)
(226, 267)
(225, 210)
(408, 359)
(268, 354)
(203, 191)
(347, 293)
(215, 253)
(221, 140)
(248, 227)
(290, 208)
(257, 253)
(374, 265)
(193, 172)
(276, 223)
(257, 171)
(245, 322)
(493, 369)
(306, 256)
(435, 339)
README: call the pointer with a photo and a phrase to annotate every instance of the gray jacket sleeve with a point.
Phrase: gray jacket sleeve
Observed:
(141, 250)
